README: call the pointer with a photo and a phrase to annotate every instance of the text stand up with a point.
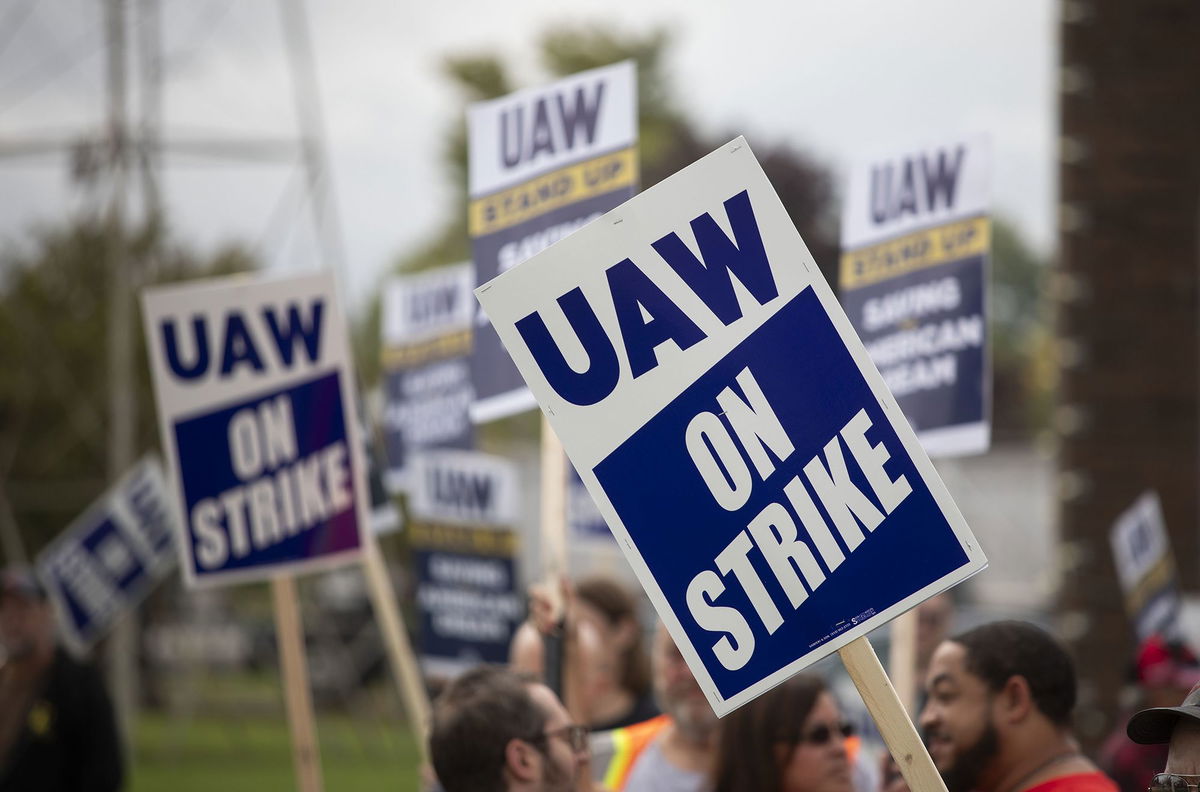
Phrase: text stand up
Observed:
(290, 636)
(916, 765)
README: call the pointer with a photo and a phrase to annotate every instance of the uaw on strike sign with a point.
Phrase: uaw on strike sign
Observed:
(752, 465)
(256, 410)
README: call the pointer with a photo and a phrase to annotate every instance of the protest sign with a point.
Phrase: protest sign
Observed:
(256, 408)
(107, 560)
(427, 379)
(543, 163)
(463, 509)
(915, 243)
(754, 468)
(1146, 568)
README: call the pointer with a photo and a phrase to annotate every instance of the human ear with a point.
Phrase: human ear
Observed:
(521, 760)
(1016, 699)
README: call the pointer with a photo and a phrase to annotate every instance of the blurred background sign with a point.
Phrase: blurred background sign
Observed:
(109, 559)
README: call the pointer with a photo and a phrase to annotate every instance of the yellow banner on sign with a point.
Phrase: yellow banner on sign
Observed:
(553, 190)
(462, 538)
(438, 348)
(915, 251)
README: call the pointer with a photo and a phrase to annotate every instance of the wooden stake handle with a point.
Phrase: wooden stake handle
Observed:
(902, 658)
(400, 653)
(290, 637)
(553, 514)
(916, 765)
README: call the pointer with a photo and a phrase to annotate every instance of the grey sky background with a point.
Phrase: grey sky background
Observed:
(836, 79)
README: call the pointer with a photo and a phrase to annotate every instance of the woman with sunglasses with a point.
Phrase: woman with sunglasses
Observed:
(791, 739)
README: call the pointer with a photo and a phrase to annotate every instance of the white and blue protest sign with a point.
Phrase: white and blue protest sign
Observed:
(463, 507)
(427, 390)
(1146, 568)
(543, 162)
(751, 462)
(256, 407)
(110, 557)
(914, 280)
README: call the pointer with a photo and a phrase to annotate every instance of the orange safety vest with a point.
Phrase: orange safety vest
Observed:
(629, 742)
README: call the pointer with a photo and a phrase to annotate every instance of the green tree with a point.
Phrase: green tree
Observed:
(1022, 383)
(668, 140)
(54, 367)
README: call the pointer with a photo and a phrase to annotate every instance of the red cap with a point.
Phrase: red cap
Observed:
(1163, 663)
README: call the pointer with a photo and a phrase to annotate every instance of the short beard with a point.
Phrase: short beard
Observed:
(963, 775)
(556, 778)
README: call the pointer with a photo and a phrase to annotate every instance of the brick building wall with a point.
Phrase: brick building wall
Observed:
(1126, 293)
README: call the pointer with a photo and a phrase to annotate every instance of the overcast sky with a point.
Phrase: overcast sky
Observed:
(834, 78)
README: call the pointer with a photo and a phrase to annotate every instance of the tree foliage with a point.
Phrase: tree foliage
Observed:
(54, 366)
(668, 140)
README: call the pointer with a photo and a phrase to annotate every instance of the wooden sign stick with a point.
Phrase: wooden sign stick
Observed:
(290, 636)
(554, 511)
(902, 659)
(400, 653)
(554, 564)
(916, 765)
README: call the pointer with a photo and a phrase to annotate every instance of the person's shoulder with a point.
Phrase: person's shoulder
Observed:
(1092, 781)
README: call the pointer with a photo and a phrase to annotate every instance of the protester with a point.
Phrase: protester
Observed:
(1179, 728)
(1165, 671)
(618, 687)
(790, 739)
(674, 752)
(607, 668)
(495, 730)
(999, 711)
(57, 730)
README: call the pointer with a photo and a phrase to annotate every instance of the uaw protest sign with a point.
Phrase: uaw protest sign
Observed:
(111, 556)
(543, 162)
(256, 410)
(427, 389)
(1146, 568)
(734, 433)
(915, 243)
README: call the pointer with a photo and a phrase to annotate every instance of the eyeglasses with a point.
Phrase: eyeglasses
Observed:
(1172, 782)
(575, 735)
(822, 734)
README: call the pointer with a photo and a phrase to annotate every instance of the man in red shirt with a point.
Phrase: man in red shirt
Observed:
(999, 710)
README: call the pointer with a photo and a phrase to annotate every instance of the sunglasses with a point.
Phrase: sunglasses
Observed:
(821, 735)
(1172, 782)
(575, 735)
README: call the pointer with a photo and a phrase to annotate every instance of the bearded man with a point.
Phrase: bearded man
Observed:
(998, 714)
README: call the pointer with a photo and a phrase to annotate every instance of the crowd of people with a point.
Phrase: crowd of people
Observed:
(995, 711)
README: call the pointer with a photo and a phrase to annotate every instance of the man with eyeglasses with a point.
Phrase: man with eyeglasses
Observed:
(999, 711)
(1179, 727)
(497, 731)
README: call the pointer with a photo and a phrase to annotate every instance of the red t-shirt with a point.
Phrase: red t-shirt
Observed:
(1077, 782)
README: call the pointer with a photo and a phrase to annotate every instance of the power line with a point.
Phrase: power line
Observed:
(12, 23)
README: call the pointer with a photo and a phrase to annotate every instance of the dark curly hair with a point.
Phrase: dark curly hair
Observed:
(999, 651)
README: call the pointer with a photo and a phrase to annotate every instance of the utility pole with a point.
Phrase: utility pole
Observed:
(122, 407)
